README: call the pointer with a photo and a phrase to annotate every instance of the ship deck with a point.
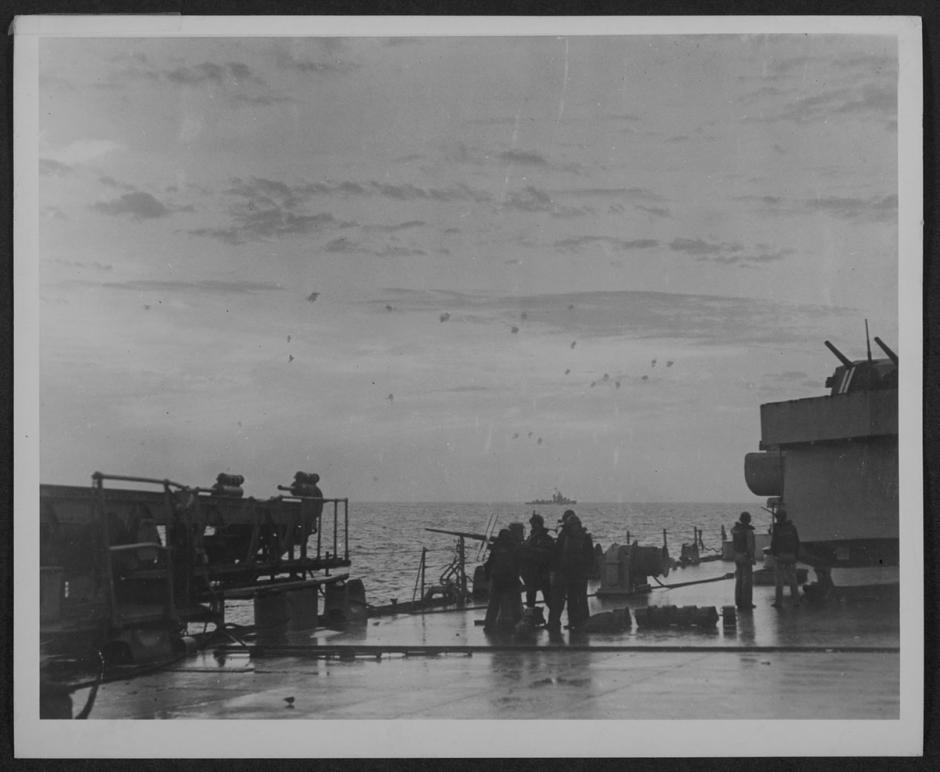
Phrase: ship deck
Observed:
(839, 661)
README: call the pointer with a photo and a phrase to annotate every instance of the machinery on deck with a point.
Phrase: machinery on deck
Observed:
(125, 570)
(627, 568)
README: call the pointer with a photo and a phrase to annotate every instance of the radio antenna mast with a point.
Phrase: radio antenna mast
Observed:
(867, 341)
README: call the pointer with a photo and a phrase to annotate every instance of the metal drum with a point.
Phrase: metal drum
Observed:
(272, 614)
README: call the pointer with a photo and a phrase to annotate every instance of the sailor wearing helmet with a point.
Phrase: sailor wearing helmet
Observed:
(574, 559)
(536, 561)
(742, 539)
(502, 570)
(785, 547)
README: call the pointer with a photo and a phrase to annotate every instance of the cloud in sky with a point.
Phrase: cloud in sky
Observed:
(396, 226)
(230, 72)
(139, 66)
(262, 208)
(82, 151)
(501, 120)
(869, 100)
(82, 264)
(341, 244)
(820, 88)
(789, 67)
(530, 199)
(49, 167)
(237, 82)
(400, 191)
(576, 243)
(53, 213)
(263, 99)
(628, 117)
(700, 319)
(203, 285)
(534, 199)
(702, 247)
(558, 245)
(631, 194)
(725, 253)
(750, 259)
(657, 211)
(882, 208)
(330, 62)
(139, 205)
(869, 92)
(110, 182)
(764, 92)
(265, 208)
(877, 208)
(346, 245)
(272, 221)
(395, 250)
(411, 192)
(523, 157)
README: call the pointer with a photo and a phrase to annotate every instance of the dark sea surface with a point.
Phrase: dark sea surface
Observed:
(385, 540)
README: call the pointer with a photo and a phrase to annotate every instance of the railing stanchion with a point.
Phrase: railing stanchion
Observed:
(319, 533)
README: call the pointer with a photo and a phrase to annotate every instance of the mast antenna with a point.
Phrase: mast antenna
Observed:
(867, 341)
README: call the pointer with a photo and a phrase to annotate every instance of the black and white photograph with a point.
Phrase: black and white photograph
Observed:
(389, 381)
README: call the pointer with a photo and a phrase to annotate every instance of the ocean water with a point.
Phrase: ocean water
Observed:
(385, 540)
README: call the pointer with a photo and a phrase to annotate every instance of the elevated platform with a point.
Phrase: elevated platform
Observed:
(819, 419)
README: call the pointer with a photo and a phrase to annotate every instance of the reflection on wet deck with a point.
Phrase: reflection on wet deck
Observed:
(551, 684)
(810, 662)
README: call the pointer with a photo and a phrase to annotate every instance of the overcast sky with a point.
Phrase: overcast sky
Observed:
(455, 269)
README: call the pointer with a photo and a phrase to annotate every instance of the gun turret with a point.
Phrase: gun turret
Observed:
(839, 355)
(891, 355)
(863, 375)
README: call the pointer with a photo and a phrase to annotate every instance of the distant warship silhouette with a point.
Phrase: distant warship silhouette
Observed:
(557, 498)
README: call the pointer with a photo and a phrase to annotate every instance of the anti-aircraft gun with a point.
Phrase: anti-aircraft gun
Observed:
(863, 374)
(453, 580)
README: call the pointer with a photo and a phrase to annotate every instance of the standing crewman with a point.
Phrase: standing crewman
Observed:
(536, 561)
(582, 557)
(502, 570)
(742, 540)
(574, 555)
(305, 485)
(557, 603)
(785, 547)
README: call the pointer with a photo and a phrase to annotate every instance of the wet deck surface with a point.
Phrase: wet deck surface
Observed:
(553, 684)
(772, 664)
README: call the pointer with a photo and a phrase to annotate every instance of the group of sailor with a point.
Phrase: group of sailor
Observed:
(785, 549)
(557, 567)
